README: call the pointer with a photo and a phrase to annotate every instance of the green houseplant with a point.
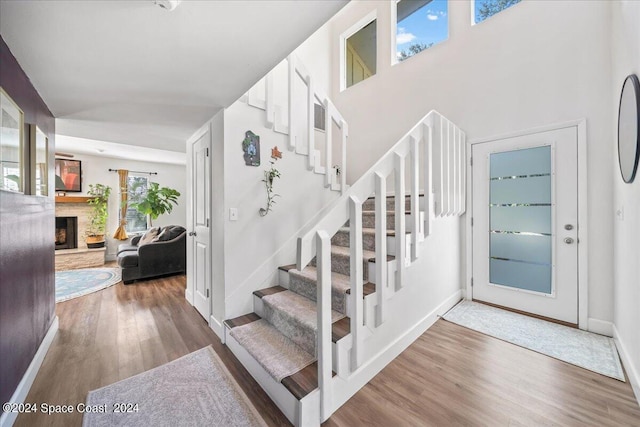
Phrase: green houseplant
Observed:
(98, 217)
(157, 201)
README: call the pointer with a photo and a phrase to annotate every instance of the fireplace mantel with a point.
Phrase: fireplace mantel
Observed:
(72, 199)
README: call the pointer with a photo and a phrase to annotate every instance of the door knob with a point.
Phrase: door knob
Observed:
(568, 240)
(192, 233)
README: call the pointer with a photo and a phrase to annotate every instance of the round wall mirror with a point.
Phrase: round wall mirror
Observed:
(628, 125)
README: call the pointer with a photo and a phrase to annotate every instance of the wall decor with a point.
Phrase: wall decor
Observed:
(11, 144)
(69, 175)
(39, 164)
(251, 148)
(629, 128)
(269, 176)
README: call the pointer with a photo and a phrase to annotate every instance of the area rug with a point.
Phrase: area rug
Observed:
(194, 390)
(591, 351)
(76, 283)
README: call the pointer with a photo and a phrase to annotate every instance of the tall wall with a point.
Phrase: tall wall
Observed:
(27, 288)
(625, 55)
(534, 64)
(95, 170)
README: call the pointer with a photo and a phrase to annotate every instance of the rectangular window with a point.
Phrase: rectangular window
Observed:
(361, 54)
(483, 9)
(137, 190)
(419, 25)
(11, 143)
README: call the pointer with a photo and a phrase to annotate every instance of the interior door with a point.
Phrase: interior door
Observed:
(200, 235)
(525, 211)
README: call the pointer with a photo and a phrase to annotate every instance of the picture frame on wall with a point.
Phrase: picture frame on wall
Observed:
(39, 161)
(68, 175)
(11, 144)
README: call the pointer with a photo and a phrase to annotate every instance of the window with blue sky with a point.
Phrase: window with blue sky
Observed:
(420, 25)
(483, 9)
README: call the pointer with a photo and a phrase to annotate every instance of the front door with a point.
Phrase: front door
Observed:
(525, 211)
(200, 236)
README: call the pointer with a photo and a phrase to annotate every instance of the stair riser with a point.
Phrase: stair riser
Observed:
(342, 238)
(309, 288)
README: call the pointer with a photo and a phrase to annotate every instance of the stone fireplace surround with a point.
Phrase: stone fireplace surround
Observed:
(80, 257)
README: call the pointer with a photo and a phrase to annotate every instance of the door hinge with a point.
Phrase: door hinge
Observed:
(207, 293)
(207, 151)
(207, 222)
(472, 282)
(472, 221)
(471, 161)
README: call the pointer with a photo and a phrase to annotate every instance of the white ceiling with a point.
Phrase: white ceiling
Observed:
(130, 72)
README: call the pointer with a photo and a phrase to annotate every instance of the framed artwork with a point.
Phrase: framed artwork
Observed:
(39, 163)
(11, 144)
(69, 175)
(251, 148)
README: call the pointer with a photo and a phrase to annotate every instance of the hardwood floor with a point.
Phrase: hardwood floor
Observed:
(121, 331)
(455, 376)
(449, 376)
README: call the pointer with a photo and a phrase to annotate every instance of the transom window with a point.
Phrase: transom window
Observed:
(483, 9)
(419, 25)
(361, 54)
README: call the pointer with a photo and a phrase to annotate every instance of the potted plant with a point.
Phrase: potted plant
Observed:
(98, 218)
(157, 201)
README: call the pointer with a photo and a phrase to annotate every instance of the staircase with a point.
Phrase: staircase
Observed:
(329, 326)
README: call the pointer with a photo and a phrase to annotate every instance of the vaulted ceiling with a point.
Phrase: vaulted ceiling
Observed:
(130, 72)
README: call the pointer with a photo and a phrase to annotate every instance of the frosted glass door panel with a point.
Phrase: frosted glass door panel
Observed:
(530, 190)
(521, 247)
(530, 161)
(531, 277)
(530, 219)
(520, 229)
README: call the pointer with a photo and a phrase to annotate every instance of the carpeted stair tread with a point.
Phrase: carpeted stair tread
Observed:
(276, 353)
(305, 283)
(241, 320)
(343, 251)
(269, 291)
(295, 317)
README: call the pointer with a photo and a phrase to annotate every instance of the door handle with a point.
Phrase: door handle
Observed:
(192, 233)
(568, 240)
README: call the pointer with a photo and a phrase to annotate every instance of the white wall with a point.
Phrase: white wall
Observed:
(95, 170)
(625, 55)
(534, 64)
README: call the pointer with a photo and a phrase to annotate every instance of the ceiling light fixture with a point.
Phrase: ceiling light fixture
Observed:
(167, 4)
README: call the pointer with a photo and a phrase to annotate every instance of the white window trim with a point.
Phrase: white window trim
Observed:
(363, 22)
(148, 178)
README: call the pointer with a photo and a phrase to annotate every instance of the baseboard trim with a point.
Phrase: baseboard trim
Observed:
(632, 372)
(601, 327)
(8, 418)
(217, 327)
(347, 388)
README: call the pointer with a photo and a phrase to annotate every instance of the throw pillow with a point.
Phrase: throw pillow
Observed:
(149, 237)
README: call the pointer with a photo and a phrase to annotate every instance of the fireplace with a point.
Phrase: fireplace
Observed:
(66, 232)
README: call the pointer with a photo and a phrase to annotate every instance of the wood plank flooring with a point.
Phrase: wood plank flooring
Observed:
(449, 376)
(122, 331)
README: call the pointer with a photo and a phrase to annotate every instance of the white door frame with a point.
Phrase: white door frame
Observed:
(583, 272)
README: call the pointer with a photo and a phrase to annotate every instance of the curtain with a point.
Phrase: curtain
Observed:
(123, 175)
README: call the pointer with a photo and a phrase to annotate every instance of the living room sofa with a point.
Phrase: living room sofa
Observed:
(159, 252)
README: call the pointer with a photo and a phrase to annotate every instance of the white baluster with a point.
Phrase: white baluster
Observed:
(310, 124)
(438, 148)
(381, 247)
(328, 127)
(401, 237)
(357, 302)
(292, 77)
(325, 363)
(343, 172)
(428, 175)
(268, 95)
(415, 201)
(463, 181)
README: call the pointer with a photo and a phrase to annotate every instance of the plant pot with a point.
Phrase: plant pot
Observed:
(94, 242)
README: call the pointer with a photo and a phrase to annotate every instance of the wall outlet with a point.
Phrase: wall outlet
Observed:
(233, 214)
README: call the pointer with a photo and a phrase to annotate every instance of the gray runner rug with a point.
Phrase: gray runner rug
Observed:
(591, 351)
(194, 390)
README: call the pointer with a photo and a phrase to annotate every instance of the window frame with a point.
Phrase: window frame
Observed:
(363, 22)
(126, 227)
(472, 5)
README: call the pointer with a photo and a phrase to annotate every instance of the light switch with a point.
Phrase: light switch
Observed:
(233, 214)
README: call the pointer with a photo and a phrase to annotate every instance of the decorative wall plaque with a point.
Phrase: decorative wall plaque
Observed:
(251, 148)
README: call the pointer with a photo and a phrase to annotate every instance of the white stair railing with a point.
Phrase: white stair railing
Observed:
(443, 163)
(264, 99)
